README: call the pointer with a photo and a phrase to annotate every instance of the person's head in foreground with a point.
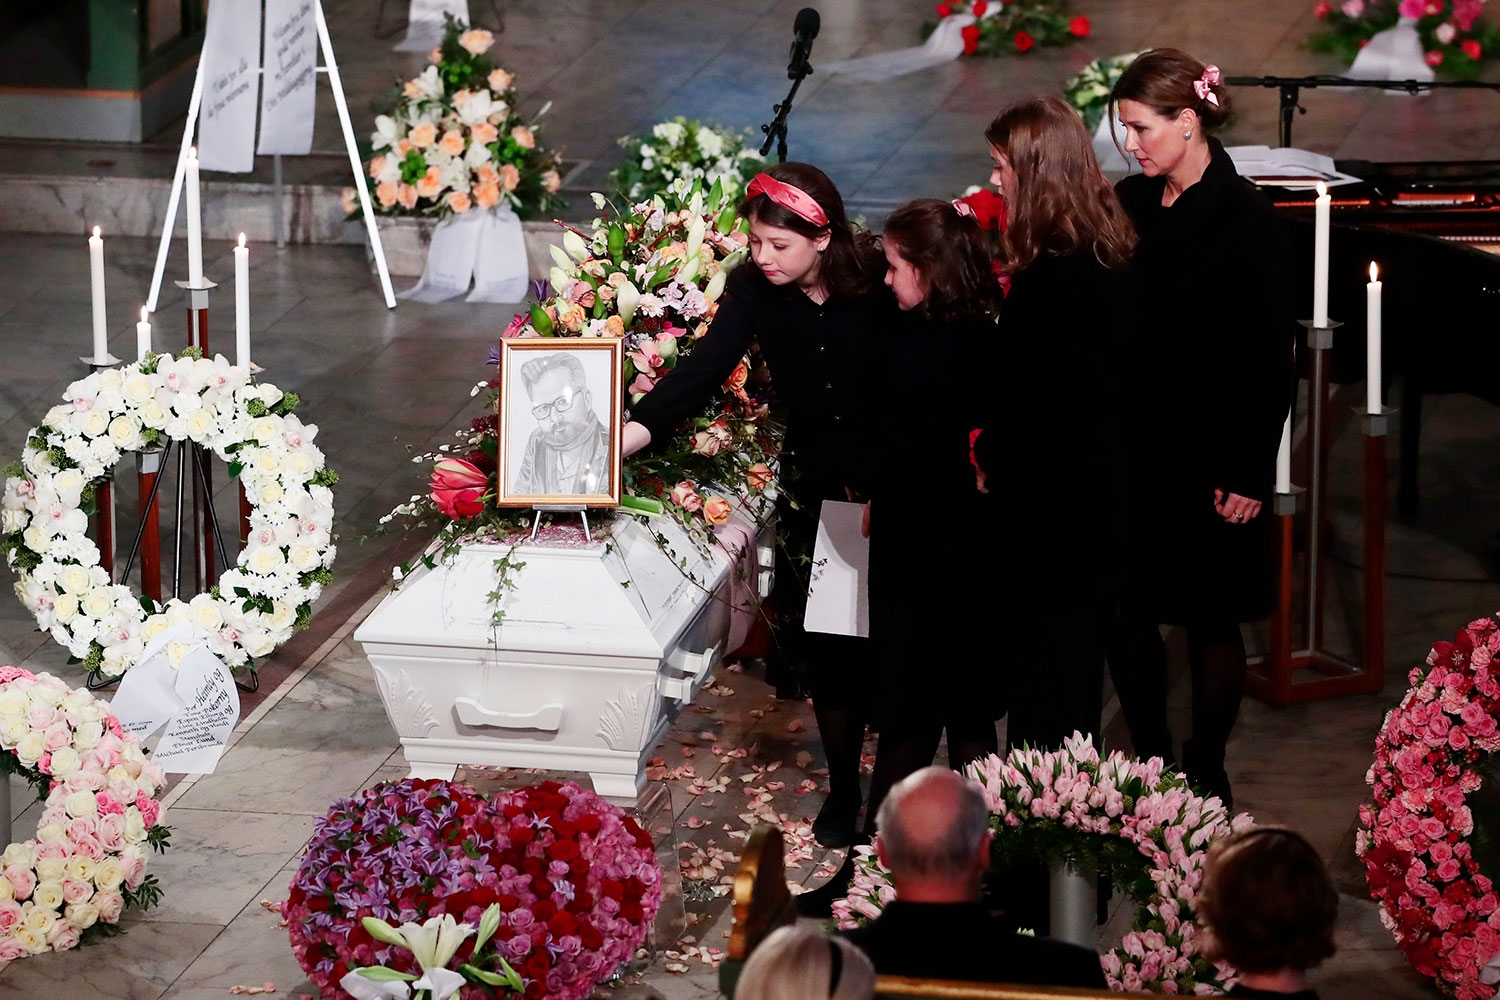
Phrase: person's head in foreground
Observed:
(803, 963)
(1267, 907)
(934, 836)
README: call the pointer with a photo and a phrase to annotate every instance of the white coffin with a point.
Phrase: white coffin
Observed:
(599, 648)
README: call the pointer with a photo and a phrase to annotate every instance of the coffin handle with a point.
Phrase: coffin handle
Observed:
(696, 667)
(471, 713)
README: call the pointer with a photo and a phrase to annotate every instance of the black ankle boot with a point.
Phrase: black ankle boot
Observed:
(834, 825)
(1205, 772)
(819, 902)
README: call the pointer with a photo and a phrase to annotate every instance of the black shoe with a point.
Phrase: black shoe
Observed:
(1205, 772)
(834, 826)
(819, 902)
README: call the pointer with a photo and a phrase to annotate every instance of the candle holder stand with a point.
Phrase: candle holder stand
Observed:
(203, 537)
(104, 493)
(1282, 675)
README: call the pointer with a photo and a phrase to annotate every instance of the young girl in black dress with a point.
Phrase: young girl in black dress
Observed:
(811, 299)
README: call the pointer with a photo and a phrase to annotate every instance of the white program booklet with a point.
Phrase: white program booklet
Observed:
(837, 592)
(1286, 167)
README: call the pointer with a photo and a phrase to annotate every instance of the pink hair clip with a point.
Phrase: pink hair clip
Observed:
(1203, 86)
(964, 209)
(789, 197)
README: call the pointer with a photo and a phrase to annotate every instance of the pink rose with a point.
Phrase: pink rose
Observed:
(457, 486)
(23, 880)
(149, 807)
(57, 736)
(1353, 8)
(758, 476)
(110, 903)
(41, 715)
(134, 867)
(1448, 870)
(110, 831)
(108, 805)
(685, 495)
(90, 847)
(52, 850)
(79, 828)
(1411, 8)
(76, 890)
(706, 443)
(11, 949)
(10, 915)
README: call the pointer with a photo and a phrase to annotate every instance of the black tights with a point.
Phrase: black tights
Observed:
(1216, 663)
(907, 747)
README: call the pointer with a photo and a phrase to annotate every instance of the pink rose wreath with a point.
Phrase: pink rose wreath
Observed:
(1427, 835)
(87, 863)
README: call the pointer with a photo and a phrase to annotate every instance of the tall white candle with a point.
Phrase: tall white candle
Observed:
(96, 285)
(142, 337)
(1284, 458)
(194, 221)
(1320, 256)
(242, 304)
(1372, 341)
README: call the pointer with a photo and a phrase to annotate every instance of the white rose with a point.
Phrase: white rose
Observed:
(65, 761)
(266, 429)
(58, 418)
(283, 615)
(74, 580)
(267, 462)
(125, 432)
(81, 804)
(153, 625)
(82, 915)
(263, 559)
(12, 521)
(257, 642)
(200, 425)
(304, 558)
(135, 826)
(13, 703)
(35, 538)
(269, 394)
(30, 747)
(69, 485)
(93, 423)
(301, 464)
(48, 894)
(82, 867)
(7, 891)
(153, 415)
(65, 608)
(177, 613)
(52, 869)
(98, 602)
(137, 388)
(110, 378)
(18, 853)
(85, 737)
(206, 613)
(33, 940)
(12, 728)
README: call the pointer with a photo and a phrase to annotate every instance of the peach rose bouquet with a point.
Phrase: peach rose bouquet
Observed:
(452, 141)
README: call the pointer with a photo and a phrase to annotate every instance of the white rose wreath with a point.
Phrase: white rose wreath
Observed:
(44, 527)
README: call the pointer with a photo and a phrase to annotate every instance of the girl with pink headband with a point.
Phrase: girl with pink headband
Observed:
(810, 298)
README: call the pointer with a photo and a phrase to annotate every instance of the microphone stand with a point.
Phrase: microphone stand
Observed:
(1291, 89)
(776, 131)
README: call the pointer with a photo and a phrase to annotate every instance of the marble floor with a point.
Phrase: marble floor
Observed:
(386, 384)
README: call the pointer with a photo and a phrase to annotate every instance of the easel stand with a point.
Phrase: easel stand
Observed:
(1283, 676)
(559, 508)
(330, 69)
(203, 494)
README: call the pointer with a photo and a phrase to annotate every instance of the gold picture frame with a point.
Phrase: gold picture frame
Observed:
(559, 426)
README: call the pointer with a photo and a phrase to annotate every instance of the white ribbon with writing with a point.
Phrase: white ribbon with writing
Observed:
(231, 60)
(179, 684)
(485, 247)
(500, 272)
(424, 26)
(289, 96)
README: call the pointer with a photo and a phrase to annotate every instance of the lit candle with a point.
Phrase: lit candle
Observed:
(1320, 256)
(96, 282)
(242, 304)
(142, 337)
(1372, 341)
(1284, 458)
(194, 222)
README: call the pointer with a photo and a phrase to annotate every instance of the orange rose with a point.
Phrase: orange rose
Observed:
(411, 88)
(716, 510)
(487, 195)
(476, 40)
(453, 142)
(758, 476)
(431, 184)
(407, 196)
(571, 317)
(402, 147)
(349, 198)
(500, 80)
(386, 194)
(509, 177)
(436, 55)
(377, 166)
(523, 137)
(484, 133)
(423, 134)
(551, 181)
(736, 380)
(459, 201)
(487, 174)
(614, 326)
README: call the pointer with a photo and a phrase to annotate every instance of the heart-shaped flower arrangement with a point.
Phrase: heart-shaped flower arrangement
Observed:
(575, 879)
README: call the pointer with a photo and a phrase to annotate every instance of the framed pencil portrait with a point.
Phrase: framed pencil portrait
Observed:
(560, 419)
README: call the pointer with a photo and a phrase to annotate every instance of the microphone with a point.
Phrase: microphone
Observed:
(804, 30)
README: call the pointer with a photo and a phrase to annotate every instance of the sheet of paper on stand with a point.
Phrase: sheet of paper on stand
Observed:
(1286, 167)
(837, 594)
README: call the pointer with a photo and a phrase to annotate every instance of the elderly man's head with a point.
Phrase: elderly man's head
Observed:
(934, 836)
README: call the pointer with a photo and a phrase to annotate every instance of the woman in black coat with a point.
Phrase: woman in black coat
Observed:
(811, 299)
(932, 586)
(1211, 384)
(1049, 454)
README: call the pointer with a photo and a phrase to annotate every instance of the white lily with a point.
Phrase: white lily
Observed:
(477, 107)
(560, 257)
(689, 271)
(386, 133)
(627, 297)
(429, 83)
(696, 231)
(575, 246)
(733, 260)
(716, 285)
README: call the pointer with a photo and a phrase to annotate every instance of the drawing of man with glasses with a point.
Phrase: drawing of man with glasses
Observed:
(568, 453)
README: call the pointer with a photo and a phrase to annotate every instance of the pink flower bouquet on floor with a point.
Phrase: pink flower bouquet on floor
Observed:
(1454, 36)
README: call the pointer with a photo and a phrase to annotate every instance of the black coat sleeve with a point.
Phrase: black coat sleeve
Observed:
(684, 390)
(1255, 339)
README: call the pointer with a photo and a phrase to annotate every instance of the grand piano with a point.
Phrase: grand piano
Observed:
(1434, 229)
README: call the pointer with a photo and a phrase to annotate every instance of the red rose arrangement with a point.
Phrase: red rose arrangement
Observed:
(1454, 36)
(576, 881)
(1011, 26)
(1418, 835)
